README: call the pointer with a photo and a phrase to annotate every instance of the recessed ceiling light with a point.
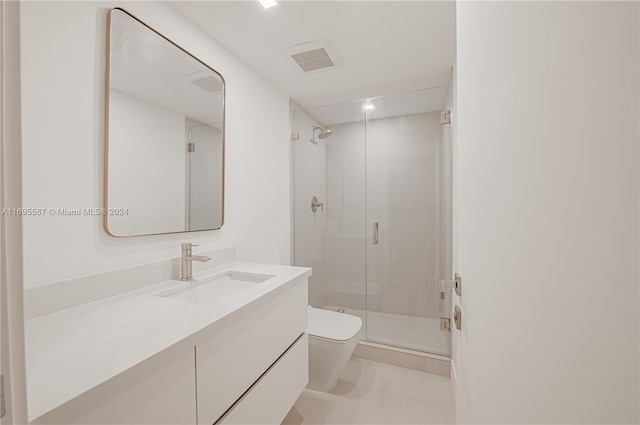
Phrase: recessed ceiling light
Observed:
(368, 107)
(268, 3)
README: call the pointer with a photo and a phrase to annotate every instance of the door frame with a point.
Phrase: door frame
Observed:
(12, 351)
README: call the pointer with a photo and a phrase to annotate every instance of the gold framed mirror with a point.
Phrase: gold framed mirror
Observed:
(164, 144)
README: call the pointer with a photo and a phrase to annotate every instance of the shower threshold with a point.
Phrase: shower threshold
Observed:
(413, 333)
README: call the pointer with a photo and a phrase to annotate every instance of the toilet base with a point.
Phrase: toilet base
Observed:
(327, 360)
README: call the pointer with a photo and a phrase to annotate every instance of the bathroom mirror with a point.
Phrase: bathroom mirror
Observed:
(164, 170)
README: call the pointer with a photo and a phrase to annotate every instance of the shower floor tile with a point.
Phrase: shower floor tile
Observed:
(375, 393)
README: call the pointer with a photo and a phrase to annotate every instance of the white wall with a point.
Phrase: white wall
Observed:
(147, 173)
(547, 212)
(63, 71)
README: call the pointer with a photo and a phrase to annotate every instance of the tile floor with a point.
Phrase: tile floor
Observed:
(376, 393)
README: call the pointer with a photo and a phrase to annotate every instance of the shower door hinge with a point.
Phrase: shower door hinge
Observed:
(191, 147)
(295, 136)
(445, 117)
(445, 324)
(456, 284)
(457, 317)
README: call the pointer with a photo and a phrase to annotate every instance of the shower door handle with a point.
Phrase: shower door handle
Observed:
(376, 234)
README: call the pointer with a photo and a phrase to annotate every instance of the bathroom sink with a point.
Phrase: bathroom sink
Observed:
(217, 288)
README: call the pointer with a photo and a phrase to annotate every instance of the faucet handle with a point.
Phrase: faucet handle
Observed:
(188, 245)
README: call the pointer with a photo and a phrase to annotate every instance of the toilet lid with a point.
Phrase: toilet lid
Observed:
(331, 325)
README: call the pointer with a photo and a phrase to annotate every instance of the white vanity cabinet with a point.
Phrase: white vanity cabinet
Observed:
(257, 367)
(148, 359)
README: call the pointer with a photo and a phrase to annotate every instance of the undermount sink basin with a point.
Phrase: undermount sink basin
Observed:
(217, 288)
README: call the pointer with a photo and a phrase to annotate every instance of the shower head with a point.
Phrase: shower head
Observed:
(322, 135)
(325, 134)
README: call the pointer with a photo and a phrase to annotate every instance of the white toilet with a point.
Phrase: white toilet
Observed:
(332, 339)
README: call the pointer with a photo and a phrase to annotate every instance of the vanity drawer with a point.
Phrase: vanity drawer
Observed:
(271, 398)
(229, 363)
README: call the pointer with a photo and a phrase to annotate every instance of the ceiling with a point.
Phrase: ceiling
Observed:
(385, 47)
(397, 105)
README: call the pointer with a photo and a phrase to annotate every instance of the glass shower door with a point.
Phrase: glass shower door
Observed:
(406, 220)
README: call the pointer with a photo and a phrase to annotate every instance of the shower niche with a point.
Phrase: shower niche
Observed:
(164, 144)
(383, 241)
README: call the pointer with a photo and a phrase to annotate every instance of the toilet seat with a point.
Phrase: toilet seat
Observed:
(333, 326)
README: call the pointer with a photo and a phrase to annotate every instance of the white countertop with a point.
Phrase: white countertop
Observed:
(72, 351)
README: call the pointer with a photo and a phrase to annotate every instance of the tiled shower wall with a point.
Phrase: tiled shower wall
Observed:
(309, 177)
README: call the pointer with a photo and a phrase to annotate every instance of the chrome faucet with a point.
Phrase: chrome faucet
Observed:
(186, 273)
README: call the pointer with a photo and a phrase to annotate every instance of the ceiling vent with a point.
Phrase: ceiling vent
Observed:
(211, 83)
(206, 79)
(314, 56)
(313, 60)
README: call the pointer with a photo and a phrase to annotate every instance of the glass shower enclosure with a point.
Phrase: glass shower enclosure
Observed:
(379, 236)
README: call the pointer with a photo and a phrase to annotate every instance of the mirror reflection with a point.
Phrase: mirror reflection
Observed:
(165, 135)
